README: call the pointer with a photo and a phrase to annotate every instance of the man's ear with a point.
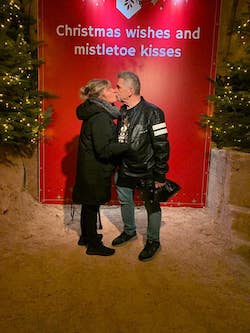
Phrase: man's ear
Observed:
(132, 91)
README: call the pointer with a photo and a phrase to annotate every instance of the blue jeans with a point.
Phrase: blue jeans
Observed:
(126, 198)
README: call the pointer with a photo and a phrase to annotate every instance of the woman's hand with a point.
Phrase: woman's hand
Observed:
(159, 185)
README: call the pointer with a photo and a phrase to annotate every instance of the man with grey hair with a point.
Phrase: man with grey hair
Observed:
(142, 126)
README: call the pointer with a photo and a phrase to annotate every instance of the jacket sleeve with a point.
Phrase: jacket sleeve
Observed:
(160, 144)
(103, 138)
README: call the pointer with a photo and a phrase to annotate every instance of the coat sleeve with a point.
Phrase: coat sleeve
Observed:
(160, 144)
(103, 138)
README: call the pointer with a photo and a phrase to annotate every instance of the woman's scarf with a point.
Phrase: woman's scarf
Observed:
(111, 109)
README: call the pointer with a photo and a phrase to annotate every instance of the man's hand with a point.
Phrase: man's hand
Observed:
(158, 185)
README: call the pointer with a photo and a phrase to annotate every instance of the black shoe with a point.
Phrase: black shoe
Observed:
(123, 238)
(149, 250)
(83, 241)
(100, 250)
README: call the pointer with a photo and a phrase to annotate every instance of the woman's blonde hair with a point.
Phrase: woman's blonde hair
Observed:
(94, 88)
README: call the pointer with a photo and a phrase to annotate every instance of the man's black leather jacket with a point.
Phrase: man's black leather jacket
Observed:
(147, 138)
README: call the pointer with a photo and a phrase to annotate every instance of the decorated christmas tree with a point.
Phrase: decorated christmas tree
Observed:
(230, 122)
(21, 117)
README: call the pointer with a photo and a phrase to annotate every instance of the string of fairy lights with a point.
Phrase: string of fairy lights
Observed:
(22, 119)
(230, 121)
(229, 94)
(242, 30)
(231, 68)
(232, 99)
(99, 3)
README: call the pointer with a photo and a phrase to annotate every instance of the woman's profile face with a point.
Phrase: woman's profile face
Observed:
(108, 94)
(82, 96)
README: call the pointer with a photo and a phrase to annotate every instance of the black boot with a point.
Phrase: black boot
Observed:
(123, 238)
(149, 250)
(99, 250)
(83, 240)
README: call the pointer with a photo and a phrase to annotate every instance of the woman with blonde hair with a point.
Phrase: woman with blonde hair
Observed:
(97, 148)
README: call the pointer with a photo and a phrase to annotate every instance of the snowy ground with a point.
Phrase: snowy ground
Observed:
(48, 284)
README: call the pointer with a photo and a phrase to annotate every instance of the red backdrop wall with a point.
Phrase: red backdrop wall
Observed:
(172, 47)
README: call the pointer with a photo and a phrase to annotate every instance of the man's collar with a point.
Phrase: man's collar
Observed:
(132, 107)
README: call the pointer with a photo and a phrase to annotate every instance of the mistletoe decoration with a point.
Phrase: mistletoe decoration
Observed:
(130, 3)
